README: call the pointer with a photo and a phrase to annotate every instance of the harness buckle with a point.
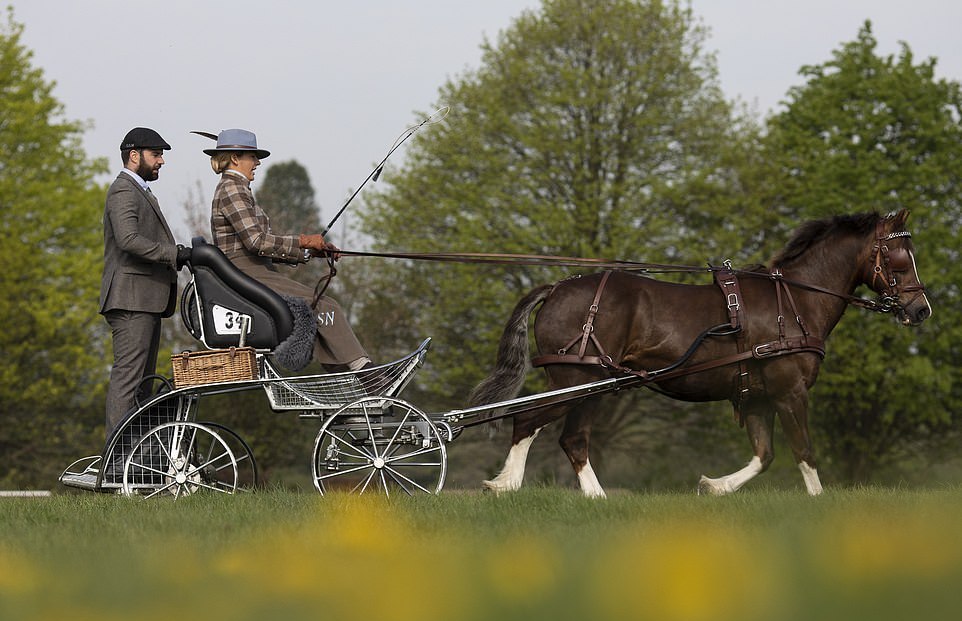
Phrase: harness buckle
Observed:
(765, 349)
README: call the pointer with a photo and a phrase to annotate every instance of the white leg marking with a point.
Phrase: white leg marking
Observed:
(732, 482)
(590, 486)
(810, 475)
(512, 474)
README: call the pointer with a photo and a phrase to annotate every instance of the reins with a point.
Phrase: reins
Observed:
(529, 259)
(880, 306)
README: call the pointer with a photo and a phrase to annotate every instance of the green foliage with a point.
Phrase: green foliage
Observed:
(287, 196)
(592, 129)
(53, 341)
(871, 133)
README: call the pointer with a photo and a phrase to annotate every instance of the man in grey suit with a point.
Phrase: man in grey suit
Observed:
(141, 260)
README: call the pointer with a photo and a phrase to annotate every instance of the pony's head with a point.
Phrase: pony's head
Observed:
(884, 256)
(891, 272)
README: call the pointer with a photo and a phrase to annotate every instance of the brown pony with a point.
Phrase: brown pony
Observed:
(758, 345)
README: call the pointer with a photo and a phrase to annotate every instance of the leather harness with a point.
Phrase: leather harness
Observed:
(727, 281)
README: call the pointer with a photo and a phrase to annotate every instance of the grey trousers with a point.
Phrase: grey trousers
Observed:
(136, 339)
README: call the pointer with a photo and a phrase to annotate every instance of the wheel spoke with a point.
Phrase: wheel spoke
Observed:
(149, 469)
(197, 459)
(358, 468)
(213, 487)
(397, 478)
(210, 452)
(190, 443)
(366, 482)
(165, 488)
(211, 462)
(246, 476)
(383, 454)
(427, 451)
(357, 450)
(164, 448)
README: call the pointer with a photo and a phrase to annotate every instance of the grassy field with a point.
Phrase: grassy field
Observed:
(541, 553)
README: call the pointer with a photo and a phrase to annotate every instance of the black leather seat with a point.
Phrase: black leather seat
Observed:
(222, 294)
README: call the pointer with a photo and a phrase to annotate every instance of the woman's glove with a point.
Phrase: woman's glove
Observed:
(312, 242)
(318, 247)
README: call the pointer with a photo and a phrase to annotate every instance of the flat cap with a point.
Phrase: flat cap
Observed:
(143, 138)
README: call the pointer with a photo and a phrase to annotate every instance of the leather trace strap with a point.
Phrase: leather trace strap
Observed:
(804, 343)
(727, 281)
(587, 335)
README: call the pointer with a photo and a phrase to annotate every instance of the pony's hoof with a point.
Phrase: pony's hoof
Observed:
(710, 487)
(491, 487)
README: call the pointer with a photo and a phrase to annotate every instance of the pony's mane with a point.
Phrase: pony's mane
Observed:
(815, 231)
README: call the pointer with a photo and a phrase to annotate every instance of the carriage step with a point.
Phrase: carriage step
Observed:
(82, 480)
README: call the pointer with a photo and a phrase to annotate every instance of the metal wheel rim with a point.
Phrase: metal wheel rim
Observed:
(244, 456)
(411, 457)
(178, 459)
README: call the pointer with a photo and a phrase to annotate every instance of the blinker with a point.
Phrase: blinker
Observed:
(899, 260)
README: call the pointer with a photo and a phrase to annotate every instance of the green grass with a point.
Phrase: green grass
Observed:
(541, 553)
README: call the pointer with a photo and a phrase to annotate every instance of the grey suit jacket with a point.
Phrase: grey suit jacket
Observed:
(140, 255)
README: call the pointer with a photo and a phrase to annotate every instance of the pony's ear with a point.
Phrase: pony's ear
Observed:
(898, 218)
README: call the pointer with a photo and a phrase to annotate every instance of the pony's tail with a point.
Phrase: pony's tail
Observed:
(507, 378)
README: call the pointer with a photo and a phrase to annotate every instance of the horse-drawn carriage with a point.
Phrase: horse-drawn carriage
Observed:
(162, 447)
(754, 337)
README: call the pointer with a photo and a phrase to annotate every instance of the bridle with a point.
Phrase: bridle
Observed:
(879, 274)
(884, 264)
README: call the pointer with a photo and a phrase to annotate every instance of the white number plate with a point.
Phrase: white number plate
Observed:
(227, 321)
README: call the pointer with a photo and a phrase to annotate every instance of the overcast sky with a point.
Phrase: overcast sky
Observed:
(333, 84)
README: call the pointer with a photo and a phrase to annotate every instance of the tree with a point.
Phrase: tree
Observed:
(286, 194)
(592, 129)
(867, 133)
(53, 342)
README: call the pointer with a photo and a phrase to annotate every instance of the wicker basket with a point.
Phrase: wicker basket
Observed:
(216, 365)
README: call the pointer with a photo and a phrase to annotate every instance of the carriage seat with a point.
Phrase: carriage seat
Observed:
(220, 296)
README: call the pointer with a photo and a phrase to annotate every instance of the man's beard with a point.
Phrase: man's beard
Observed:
(146, 172)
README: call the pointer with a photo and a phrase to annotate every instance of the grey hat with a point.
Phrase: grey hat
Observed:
(237, 140)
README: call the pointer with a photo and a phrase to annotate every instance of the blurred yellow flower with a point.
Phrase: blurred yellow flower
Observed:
(522, 568)
(885, 546)
(691, 571)
(358, 561)
(17, 575)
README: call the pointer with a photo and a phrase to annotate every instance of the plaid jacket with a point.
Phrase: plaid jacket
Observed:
(241, 228)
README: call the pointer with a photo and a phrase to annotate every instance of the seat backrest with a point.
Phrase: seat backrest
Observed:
(220, 295)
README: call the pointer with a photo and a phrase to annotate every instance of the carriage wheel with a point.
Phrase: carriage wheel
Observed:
(379, 445)
(179, 459)
(246, 466)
